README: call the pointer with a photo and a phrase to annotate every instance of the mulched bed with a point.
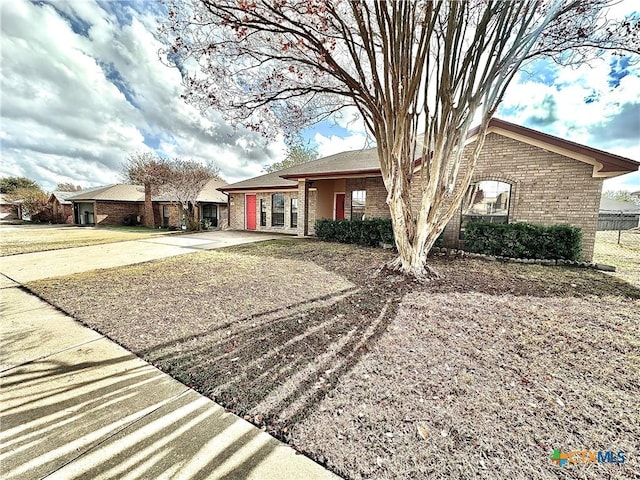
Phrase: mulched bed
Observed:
(481, 374)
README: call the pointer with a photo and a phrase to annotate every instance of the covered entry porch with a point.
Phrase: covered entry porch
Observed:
(351, 198)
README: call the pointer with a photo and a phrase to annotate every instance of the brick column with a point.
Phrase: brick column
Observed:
(303, 208)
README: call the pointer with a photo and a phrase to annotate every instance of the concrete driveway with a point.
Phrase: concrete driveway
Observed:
(54, 263)
(75, 405)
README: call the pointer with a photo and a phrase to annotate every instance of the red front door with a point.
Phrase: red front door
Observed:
(339, 206)
(250, 216)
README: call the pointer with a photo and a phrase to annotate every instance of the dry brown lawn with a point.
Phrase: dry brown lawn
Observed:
(16, 239)
(624, 255)
(480, 375)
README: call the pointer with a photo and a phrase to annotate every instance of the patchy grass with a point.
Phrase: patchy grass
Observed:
(16, 239)
(624, 255)
(481, 375)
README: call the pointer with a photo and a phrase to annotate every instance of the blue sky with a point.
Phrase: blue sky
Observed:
(82, 87)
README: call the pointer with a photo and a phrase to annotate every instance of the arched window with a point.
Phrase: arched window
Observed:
(486, 201)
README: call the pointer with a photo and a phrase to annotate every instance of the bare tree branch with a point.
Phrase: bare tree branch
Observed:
(419, 73)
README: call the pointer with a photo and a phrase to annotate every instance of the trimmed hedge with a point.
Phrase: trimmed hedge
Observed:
(369, 232)
(524, 240)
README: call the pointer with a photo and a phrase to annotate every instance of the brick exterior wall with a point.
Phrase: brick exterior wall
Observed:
(114, 213)
(61, 213)
(546, 188)
(304, 208)
(8, 212)
(376, 200)
(313, 202)
(222, 216)
(237, 203)
(175, 215)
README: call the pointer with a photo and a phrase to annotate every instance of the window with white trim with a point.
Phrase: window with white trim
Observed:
(277, 210)
(358, 204)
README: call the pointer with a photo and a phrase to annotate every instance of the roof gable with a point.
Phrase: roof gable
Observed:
(269, 181)
(211, 193)
(62, 197)
(604, 164)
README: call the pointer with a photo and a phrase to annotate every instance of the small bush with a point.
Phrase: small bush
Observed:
(385, 229)
(369, 232)
(524, 240)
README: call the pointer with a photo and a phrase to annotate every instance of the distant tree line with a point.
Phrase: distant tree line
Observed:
(622, 196)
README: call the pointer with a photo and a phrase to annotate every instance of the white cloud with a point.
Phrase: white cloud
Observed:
(64, 117)
(586, 106)
(335, 144)
(350, 119)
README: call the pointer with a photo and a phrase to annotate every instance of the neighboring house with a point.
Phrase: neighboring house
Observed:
(9, 210)
(521, 176)
(211, 207)
(61, 206)
(616, 215)
(108, 205)
(123, 204)
(212, 204)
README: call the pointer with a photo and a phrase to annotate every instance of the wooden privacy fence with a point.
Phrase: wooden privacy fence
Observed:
(618, 221)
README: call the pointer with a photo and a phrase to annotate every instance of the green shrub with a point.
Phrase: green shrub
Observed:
(385, 229)
(369, 232)
(524, 240)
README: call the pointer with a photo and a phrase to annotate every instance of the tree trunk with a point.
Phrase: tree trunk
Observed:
(148, 207)
(413, 240)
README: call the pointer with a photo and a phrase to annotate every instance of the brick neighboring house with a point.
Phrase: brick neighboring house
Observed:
(211, 206)
(521, 176)
(9, 210)
(123, 204)
(61, 206)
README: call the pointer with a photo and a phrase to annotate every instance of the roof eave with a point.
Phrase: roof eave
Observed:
(257, 188)
(333, 174)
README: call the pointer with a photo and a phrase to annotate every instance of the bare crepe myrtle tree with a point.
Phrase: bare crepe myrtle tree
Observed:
(185, 181)
(151, 171)
(68, 187)
(419, 73)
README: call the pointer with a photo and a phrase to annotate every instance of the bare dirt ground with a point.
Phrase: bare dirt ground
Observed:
(480, 375)
(16, 239)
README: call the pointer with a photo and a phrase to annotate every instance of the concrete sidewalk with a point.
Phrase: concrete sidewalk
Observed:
(73, 404)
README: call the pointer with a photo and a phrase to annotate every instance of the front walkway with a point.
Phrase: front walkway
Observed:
(73, 404)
